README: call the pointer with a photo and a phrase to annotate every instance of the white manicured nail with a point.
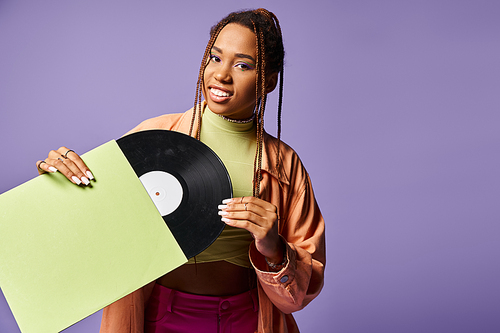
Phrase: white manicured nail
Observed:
(222, 206)
(227, 221)
(52, 169)
(223, 213)
(76, 180)
(225, 201)
(90, 175)
(85, 180)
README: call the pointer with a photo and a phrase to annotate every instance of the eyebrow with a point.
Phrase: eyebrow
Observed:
(238, 55)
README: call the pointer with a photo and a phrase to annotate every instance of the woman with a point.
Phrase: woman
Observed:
(269, 260)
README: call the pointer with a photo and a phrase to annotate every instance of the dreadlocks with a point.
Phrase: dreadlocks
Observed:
(270, 55)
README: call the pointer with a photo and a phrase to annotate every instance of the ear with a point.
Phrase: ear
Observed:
(271, 82)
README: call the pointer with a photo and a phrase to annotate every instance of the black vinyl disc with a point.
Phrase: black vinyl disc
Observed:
(185, 179)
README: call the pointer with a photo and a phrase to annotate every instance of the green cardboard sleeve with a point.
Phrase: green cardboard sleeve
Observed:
(67, 251)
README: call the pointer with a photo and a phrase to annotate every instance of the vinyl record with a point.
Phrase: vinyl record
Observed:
(185, 179)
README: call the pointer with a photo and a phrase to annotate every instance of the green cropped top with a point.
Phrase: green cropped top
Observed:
(235, 144)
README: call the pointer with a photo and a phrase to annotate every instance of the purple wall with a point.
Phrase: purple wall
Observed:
(394, 107)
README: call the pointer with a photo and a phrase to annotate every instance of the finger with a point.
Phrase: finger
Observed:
(76, 159)
(255, 215)
(243, 203)
(68, 169)
(254, 228)
(64, 169)
(249, 220)
(43, 167)
(248, 211)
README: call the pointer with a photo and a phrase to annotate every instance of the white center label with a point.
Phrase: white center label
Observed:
(164, 189)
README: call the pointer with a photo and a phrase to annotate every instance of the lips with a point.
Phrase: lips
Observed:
(219, 95)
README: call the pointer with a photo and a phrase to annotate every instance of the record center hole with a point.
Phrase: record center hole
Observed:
(157, 193)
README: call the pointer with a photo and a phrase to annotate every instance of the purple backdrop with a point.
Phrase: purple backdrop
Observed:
(392, 105)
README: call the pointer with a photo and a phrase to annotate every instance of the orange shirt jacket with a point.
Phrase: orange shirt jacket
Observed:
(301, 225)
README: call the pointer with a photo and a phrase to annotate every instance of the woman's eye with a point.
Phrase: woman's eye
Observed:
(214, 58)
(244, 66)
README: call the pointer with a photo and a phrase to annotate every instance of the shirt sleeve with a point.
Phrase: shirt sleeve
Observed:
(303, 230)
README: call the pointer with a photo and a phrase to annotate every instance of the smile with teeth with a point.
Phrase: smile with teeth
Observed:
(219, 93)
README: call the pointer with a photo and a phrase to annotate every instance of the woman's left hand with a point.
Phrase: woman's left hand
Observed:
(260, 218)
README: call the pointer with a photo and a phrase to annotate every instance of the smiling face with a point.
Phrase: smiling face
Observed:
(230, 76)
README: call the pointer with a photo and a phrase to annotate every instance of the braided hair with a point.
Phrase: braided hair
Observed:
(270, 56)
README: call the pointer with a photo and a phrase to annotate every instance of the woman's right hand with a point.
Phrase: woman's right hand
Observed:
(67, 162)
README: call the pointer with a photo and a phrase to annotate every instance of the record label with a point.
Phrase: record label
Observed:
(164, 189)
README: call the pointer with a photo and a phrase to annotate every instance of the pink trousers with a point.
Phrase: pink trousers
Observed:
(173, 311)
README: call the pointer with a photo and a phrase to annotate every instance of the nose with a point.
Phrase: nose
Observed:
(222, 74)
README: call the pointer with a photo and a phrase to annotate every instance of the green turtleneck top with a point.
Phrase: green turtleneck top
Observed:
(235, 144)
